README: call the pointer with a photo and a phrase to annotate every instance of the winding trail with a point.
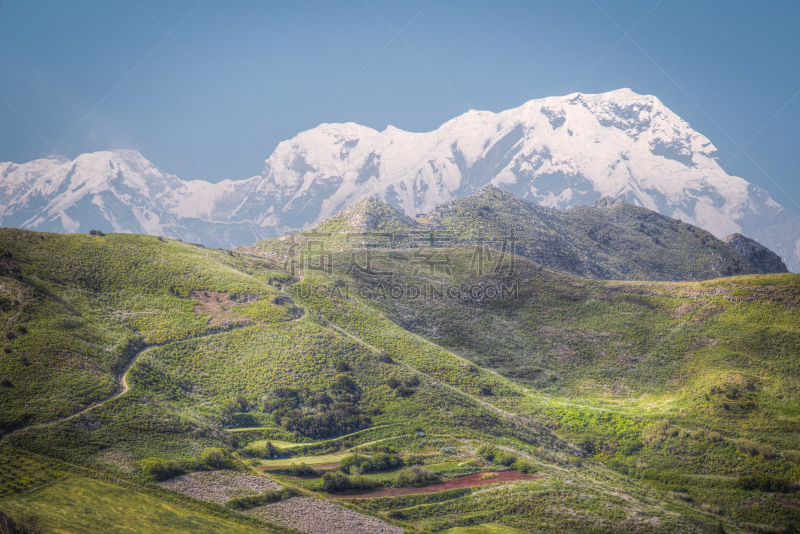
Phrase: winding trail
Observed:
(123, 380)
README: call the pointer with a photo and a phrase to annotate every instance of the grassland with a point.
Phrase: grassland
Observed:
(83, 505)
(488, 528)
(632, 397)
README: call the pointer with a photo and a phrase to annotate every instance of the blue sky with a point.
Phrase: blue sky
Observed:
(205, 90)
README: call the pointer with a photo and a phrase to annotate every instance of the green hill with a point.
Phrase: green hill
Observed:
(611, 240)
(647, 406)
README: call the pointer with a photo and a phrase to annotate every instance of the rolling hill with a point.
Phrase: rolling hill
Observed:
(609, 240)
(641, 406)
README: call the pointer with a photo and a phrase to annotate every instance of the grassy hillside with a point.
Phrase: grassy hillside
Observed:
(75, 308)
(644, 406)
(610, 240)
(665, 382)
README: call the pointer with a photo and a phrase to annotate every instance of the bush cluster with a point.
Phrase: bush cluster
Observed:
(754, 448)
(766, 483)
(159, 469)
(267, 451)
(338, 482)
(319, 414)
(26, 525)
(658, 433)
(416, 475)
(405, 387)
(507, 459)
(253, 501)
(383, 461)
(302, 470)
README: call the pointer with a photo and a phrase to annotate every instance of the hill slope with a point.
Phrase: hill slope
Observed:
(610, 240)
(646, 406)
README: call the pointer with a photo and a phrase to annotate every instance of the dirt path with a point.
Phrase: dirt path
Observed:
(468, 481)
(124, 378)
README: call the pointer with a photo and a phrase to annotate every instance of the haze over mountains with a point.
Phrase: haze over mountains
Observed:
(557, 151)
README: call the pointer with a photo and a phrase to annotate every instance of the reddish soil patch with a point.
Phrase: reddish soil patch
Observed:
(468, 481)
(788, 503)
(217, 306)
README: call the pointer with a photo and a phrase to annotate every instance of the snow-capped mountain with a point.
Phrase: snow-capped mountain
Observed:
(558, 151)
(117, 191)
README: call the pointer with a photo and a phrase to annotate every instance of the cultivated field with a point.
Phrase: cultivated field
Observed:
(317, 516)
(219, 486)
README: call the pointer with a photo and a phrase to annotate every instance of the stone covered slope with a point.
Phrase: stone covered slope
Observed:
(760, 256)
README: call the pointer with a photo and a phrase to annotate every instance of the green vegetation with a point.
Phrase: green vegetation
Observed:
(82, 505)
(610, 240)
(268, 497)
(488, 528)
(76, 309)
(649, 406)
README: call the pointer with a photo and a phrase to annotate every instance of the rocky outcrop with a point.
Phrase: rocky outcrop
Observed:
(760, 256)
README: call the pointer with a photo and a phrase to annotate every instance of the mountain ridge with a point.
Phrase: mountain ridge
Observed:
(612, 239)
(557, 151)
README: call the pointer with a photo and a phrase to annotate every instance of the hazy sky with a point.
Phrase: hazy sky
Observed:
(206, 90)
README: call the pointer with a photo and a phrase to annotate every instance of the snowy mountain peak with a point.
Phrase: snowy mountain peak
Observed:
(556, 151)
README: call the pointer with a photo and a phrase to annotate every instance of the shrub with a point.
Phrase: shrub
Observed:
(404, 391)
(394, 514)
(302, 470)
(504, 458)
(764, 483)
(714, 437)
(792, 456)
(680, 496)
(488, 476)
(354, 460)
(747, 446)
(415, 475)
(412, 459)
(658, 432)
(338, 482)
(26, 525)
(253, 501)
(383, 461)
(767, 452)
(335, 482)
(6, 383)
(213, 457)
(487, 452)
(158, 469)
(524, 466)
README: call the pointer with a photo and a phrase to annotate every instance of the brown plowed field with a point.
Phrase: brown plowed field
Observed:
(468, 481)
